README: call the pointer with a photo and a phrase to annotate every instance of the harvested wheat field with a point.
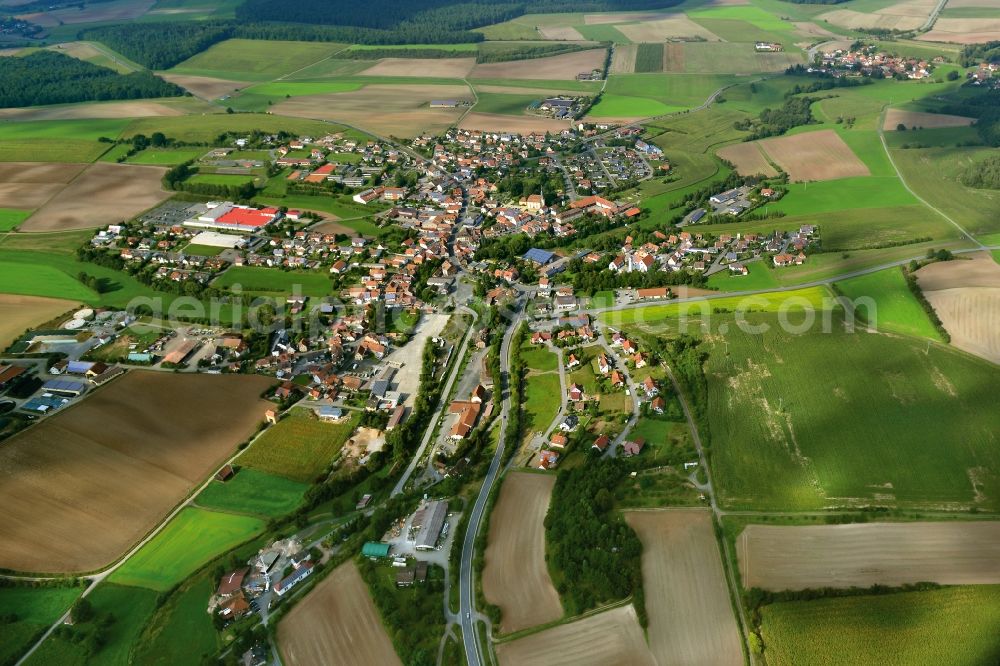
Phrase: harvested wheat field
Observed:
(336, 623)
(19, 313)
(129, 109)
(103, 194)
(116, 10)
(205, 87)
(675, 26)
(623, 58)
(848, 18)
(819, 155)
(621, 17)
(776, 557)
(748, 158)
(503, 123)
(966, 296)
(83, 486)
(561, 33)
(963, 31)
(553, 68)
(28, 185)
(403, 110)
(809, 29)
(445, 68)
(611, 638)
(518, 90)
(912, 119)
(690, 617)
(515, 576)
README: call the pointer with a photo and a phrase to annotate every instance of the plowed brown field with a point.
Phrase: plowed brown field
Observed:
(516, 577)
(84, 485)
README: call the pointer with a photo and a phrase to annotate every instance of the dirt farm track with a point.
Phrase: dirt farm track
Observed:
(776, 557)
(84, 485)
(336, 623)
(515, 576)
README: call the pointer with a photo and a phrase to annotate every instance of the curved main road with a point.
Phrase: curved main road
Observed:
(466, 584)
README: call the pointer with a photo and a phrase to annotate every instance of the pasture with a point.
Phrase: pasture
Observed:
(404, 110)
(516, 576)
(166, 157)
(690, 615)
(206, 128)
(611, 637)
(542, 399)
(966, 297)
(19, 313)
(886, 630)
(131, 606)
(810, 156)
(34, 610)
(180, 631)
(300, 447)
(255, 493)
(800, 300)
(103, 194)
(779, 396)
(335, 623)
(255, 60)
(263, 280)
(894, 308)
(934, 174)
(792, 557)
(90, 481)
(190, 540)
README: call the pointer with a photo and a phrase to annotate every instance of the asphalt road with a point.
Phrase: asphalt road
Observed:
(467, 600)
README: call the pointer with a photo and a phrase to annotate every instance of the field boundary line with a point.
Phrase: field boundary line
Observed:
(324, 59)
(899, 174)
(530, 631)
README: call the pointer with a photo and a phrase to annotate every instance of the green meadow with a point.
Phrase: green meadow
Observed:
(131, 608)
(193, 538)
(34, 610)
(11, 217)
(895, 308)
(539, 358)
(833, 418)
(161, 157)
(253, 492)
(542, 399)
(220, 179)
(265, 280)
(255, 60)
(886, 630)
(181, 631)
(507, 104)
(760, 277)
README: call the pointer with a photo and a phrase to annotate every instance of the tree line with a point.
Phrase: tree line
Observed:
(775, 122)
(47, 77)
(973, 54)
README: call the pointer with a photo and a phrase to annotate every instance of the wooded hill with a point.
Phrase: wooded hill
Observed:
(46, 77)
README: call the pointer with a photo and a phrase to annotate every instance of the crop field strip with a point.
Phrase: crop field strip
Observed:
(780, 557)
(515, 575)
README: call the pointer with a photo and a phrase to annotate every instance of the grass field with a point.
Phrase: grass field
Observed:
(11, 217)
(203, 250)
(42, 280)
(542, 398)
(162, 157)
(266, 280)
(220, 179)
(539, 358)
(760, 277)
(934, 174)
(779, 400)
(255, 60)
(299, 447)
(181, 632)
(35, 609)
(895, 307)
(814, 298)
(253, 492)
(642, 95)
(505, 103)
(191, 539)
(206, 128)
(57, 140)
(886, 630)
(131, 607)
